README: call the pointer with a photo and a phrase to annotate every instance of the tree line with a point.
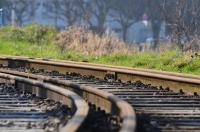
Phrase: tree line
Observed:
(181, 16)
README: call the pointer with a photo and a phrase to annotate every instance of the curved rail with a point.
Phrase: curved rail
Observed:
(176, 81)
(188, 83)
(80, 104)
(105, 100)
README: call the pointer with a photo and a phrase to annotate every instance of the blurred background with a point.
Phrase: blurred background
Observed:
(133, 21)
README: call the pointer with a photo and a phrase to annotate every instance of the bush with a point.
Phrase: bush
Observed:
(32, 33)
(84, 40)
(36, 34)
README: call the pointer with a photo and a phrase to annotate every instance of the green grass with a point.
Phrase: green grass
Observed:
(20, 44)
(167, 61)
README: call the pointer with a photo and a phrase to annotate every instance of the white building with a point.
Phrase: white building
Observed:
(139, 32)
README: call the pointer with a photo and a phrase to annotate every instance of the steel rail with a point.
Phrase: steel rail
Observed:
(186, 82)
(103, 99)
(81, 106)
(176, 81)
(107, 101)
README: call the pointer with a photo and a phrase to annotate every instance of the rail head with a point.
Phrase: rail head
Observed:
(124, 109)
(189, 83)
(82, 107)
(126, 112)
(176, 81)
(100, 67)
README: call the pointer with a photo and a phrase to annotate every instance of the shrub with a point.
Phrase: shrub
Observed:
(84, 40)
(32, 33)
(37, 33)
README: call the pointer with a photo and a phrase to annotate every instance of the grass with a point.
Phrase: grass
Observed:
(71, 44)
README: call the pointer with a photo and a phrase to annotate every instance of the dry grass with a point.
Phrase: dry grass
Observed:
(85, 41)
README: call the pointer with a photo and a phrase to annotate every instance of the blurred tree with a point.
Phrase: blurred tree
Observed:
(96, 10)
(126, 12)
(24, 10)
(65, 10)
(100, 9)
(51, 10)
(84, 7)
(155, 17)
(182, 17)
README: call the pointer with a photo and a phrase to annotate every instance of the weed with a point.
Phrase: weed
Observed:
(81, 44)
(84, 40)
(27, 70)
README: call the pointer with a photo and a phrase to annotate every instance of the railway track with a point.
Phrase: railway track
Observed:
(163, 102)
(21, 111)
(24, 111)
(18, 111)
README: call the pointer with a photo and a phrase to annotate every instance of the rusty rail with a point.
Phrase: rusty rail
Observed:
(103, 99)
(188, 83)
(56, 93)
(176, 81)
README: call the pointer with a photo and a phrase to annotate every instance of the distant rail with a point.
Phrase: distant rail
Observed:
(176, 81)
